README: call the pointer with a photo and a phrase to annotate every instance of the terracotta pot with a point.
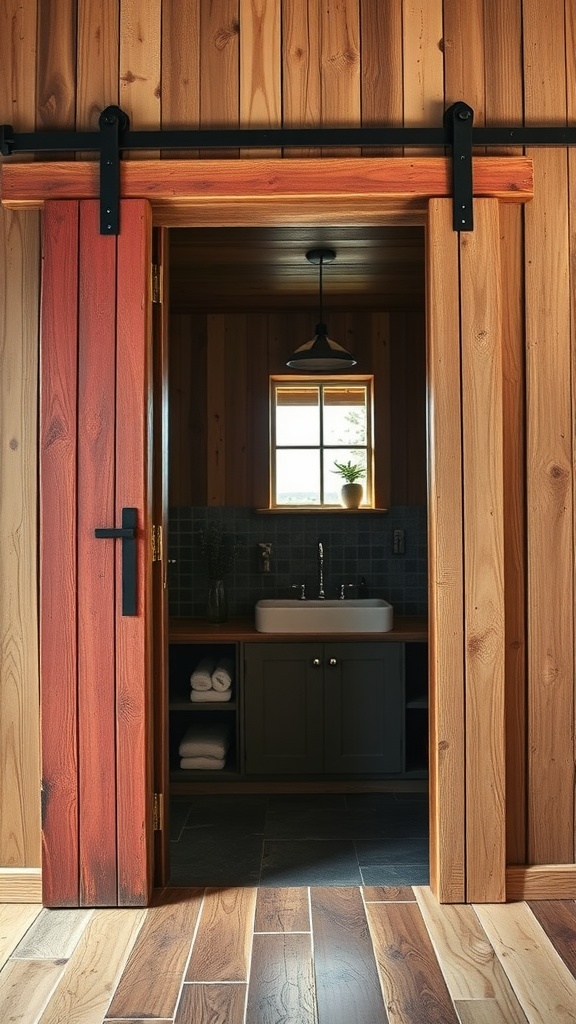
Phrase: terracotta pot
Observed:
(351, 495)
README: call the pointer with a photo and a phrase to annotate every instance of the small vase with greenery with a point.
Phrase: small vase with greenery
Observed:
(218, 553)
(352, 492)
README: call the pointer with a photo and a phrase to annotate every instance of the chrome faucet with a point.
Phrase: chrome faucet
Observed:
(321, 594)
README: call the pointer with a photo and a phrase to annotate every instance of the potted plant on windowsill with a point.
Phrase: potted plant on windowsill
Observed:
(351, 492)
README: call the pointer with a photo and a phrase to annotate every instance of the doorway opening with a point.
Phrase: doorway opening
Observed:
(240, 300)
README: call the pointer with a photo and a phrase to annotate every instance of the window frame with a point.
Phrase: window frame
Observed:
(338, 380)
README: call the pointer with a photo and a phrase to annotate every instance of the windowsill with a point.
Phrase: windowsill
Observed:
(286, 509)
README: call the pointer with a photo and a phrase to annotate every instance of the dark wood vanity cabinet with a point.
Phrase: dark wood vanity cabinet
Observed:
(324, 707)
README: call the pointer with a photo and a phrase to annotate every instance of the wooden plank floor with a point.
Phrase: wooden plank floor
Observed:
(322, 955)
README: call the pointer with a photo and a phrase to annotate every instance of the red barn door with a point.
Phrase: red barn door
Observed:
(95, 638)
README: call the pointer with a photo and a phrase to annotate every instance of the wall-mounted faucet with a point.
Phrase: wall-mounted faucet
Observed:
(321, 594)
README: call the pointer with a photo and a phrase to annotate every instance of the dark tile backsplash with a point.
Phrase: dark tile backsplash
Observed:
(355, 547)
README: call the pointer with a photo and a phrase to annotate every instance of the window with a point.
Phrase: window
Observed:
(316, 423)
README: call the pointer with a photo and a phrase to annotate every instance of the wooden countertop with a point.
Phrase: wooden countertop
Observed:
(407, 628)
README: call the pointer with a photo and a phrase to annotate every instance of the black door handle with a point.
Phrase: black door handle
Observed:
(127, 534)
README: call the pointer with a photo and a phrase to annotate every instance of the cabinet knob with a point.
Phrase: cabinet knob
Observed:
(316, 662)
(332, 662)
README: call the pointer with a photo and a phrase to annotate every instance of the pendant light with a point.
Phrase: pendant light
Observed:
(321, 354)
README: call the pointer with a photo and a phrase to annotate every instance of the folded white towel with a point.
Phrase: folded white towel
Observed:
(207, 763)
(201, 678)
(208, 695)
(209, 740)
(223, 674)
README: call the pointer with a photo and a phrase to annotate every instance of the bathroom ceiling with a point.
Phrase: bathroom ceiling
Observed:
(257, 268)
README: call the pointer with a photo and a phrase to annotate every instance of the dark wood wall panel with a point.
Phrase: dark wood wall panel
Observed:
(220, 366)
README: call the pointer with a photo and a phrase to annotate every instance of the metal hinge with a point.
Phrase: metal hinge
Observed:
(158, 811)
(156, 283)
(156, 543)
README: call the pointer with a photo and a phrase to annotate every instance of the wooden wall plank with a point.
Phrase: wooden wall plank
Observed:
(260, 68)
(18, 23)
(216, 407)
(140, 50)
(19, 325)
(445, 562)
(380, 367)
(464, 61)
(422, 64)
(550, 550)
(180, 92)
(481, 344)
(505, 105)
(188, 415)
(96, 507)
(56, 65)
(301, 90)
(97, 70)
(134, 766)
(258, 390)
(381, 67)
(58, 569)
(571, 114)
(219, 69)
(19, 720)
(234, 384)
(221, 950)
(340, 67)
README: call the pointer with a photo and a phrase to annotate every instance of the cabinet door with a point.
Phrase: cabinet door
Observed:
(363, 723)
(283, 705)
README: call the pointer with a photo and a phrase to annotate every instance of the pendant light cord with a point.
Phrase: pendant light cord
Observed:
(321, 320)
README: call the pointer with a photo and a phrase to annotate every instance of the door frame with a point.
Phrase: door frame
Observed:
(467, 749)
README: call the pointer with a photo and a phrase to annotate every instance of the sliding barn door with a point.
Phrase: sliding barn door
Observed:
(95, 556)
(466, 552)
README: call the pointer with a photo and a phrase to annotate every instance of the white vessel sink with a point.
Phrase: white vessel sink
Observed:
(288, 615)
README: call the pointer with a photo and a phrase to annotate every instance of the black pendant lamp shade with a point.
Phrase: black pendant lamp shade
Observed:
(321, 354)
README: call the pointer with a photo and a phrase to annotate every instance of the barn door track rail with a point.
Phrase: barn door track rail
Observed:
(115, 137)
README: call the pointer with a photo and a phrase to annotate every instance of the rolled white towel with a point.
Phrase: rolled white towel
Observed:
(209, 740)
(223, 674)
(210, 695)
(207, 763)
(201, 678)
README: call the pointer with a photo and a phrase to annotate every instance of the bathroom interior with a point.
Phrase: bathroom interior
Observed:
(241, 301)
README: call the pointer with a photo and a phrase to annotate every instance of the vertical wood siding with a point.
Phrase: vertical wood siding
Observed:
(261, 62)
(219, 368)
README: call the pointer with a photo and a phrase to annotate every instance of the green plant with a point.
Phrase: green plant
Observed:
(350, 471)
(217, 550)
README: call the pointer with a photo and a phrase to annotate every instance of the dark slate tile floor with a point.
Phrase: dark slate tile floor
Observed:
(299, 839)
